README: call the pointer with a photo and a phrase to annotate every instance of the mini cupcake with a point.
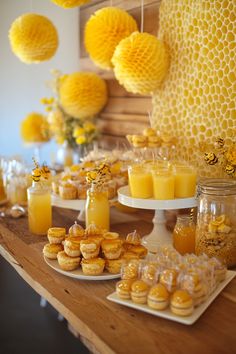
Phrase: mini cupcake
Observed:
(112, 248)
(51, 250)
(67, 191)
(94, 266)
(56, 234)
(90, 248)
(66, 262)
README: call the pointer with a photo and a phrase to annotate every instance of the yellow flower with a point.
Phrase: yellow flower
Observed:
(89, 127)
(44, 100)
(78, 132)
(81, 140)
(34, 128)
(48, 108)
(60, 139)
(50, 100)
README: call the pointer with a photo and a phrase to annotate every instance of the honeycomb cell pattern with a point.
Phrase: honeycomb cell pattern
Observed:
(196, 101)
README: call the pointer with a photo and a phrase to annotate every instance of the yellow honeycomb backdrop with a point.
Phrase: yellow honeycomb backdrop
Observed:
(196, 101)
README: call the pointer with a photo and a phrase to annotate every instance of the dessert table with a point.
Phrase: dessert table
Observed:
(105, 327)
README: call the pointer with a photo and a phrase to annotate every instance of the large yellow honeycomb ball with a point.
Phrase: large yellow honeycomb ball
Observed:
(68, 4)
(140, 62)
(33, 38)
(35, 128)
(83, 94)
(103, 31)
(197, 102)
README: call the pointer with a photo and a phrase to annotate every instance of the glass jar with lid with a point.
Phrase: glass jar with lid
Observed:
(184, 234)
(216, 221)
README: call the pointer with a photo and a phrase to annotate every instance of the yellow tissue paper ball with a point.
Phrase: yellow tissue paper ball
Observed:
(35, 128)
(104, 30)
(83, 94)
(33, 38)
(68, 4)
(140, 63)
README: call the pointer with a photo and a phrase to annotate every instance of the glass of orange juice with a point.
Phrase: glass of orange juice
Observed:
(184, 234)
(163, 183)
(185, 181)
(39, 209)
(140, 181)
(97, 208)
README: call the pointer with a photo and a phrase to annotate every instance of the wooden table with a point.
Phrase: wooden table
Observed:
(106, 327)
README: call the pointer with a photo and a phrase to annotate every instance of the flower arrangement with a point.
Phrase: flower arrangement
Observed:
(35, 128)
(224, 154)
(63, 126)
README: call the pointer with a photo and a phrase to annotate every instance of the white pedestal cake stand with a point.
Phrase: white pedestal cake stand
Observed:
(159, 235)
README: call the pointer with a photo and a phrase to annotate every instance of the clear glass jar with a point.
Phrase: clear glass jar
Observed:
(216, 220)
(184, 234)
(97, 208)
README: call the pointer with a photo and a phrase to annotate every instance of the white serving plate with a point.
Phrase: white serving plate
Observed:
(78, 274)
(188, 320)
(74, 204)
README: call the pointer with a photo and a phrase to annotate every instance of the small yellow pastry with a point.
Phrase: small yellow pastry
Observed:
(123, 289)
(67, 191)
(72, 246)
(139, 292)
(169, 279)
(130, 270)
(158, 297)
(90, 248)
(111, 235)
(140, 251)
(127, 256)
(150, 273)
(76, 230)
(139, 141)
(93, 266)
(154, 141)
(112, 248)
(149, 132)
(66, 262)
(92, 230)
(193, 284)
(56, 234)
(51, 250)
(113, 265)
(133, 238)
(181, 303)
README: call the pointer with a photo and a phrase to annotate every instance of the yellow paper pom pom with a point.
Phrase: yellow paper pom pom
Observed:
(68, 4)
(104, 30)
(34, 128)
(83, 94)
(140, 63)
(33, 38)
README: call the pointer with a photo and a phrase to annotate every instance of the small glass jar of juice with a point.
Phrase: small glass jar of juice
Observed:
(140, 181)
(39, 208)
(185, 181)
(97, 208)
(163, 183)
(184, 234)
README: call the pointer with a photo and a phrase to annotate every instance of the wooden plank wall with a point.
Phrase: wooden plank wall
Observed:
(125, 113)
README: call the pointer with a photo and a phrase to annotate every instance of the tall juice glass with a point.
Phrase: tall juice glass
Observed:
(39, 208)
(97, 209)
(163, 183)
(140, 181)
(185, 181)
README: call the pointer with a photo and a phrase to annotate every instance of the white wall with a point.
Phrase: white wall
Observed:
(22, 85)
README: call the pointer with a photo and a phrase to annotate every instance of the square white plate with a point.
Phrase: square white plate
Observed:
(188, 320)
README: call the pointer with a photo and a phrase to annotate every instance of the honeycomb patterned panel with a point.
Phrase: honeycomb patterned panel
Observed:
(196, 102)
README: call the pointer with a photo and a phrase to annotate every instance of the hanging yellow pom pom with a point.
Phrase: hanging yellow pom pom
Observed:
(68, 4)
(82, 94)
(104, 30)
(35, 128)
(33, 38)
(140, 63)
